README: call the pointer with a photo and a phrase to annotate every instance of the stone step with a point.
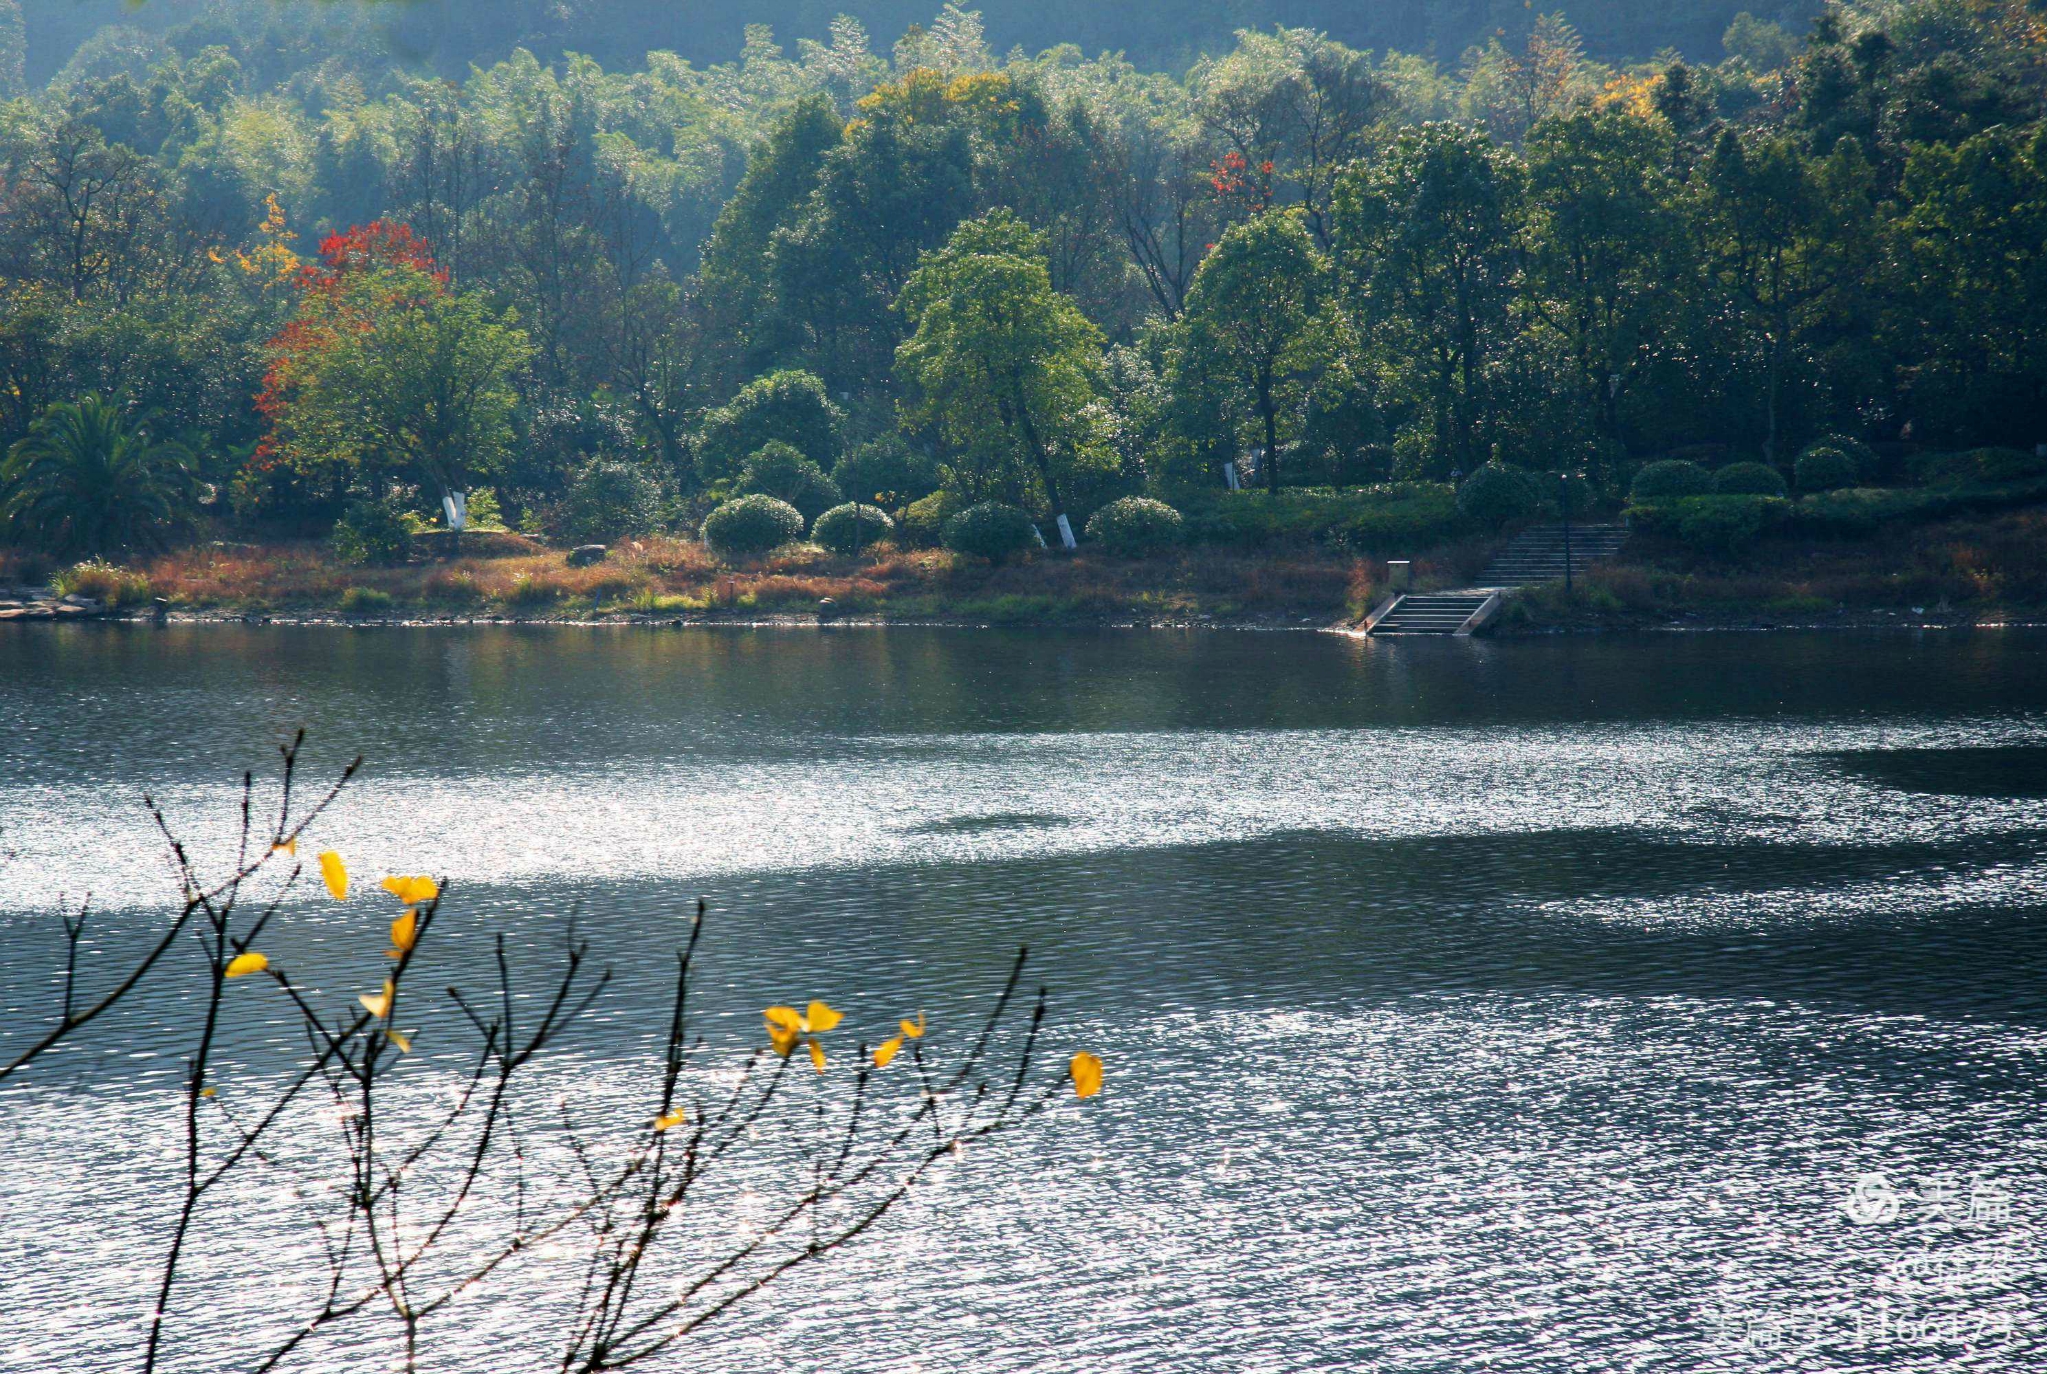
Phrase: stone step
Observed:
(1436, 613)
(1544, 555)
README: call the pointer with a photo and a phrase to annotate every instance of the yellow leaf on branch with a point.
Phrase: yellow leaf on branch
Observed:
(817, 1055)
(404, 933)
(671, 1120)
(378, 1004)
(335, 874)
(886, 1051)
(400, 1039)
(819, 1017)
(245, 963)
(913, 1029)
(785, 1027)
(1087, 1074)
(412, 890)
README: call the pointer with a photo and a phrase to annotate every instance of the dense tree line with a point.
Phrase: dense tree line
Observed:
(447, 37)
(1055, 280)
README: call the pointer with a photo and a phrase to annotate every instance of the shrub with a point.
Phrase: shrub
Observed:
(924, 520)
(751, 525)
(1393, 516)
(779, 470)
(1493, 495)
(103, 582)
(1135, 526)
(1824, 469)
(1727, 525)
(1978, 466)
(607, 500)
(365, 601)
(484, 511)
(371, 532)
(1669, 480)
(887, 471)
(992, 530)
(1868, 465)
(787, 406)
(852, 527)
(1748, 479)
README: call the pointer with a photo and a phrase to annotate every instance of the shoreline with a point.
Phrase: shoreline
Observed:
(1863, 621)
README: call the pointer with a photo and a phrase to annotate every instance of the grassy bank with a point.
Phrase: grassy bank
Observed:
(1980, 570)
(675, 579)
(1974, 569)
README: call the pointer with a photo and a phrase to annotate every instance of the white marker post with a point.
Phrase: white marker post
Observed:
(1066, 531)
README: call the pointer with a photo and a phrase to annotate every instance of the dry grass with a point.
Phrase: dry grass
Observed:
(1997, 562)
(673, 577)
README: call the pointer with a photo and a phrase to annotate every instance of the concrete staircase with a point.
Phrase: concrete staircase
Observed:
(1537, 554)
(1437, 613)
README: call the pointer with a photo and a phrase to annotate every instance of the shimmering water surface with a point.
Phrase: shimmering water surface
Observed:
(1521, 1006)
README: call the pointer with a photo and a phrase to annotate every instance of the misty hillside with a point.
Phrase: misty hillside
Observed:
(449, 35)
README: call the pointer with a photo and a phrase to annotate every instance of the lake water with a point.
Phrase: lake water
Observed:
(1466, 1005)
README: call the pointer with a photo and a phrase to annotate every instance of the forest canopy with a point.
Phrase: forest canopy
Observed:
(1362, 251)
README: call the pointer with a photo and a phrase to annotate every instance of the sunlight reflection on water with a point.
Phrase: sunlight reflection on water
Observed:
(1439, 1037)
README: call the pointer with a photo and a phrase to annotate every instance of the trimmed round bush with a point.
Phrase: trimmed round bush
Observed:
(1868, 464)
(1135, 526)
(1670, 480)
(779, 470)
(1748, 479)
(1493, 495)
(751, 525)
(371, 532)
(993, 530)
(924, 519)
(852, 527)
(607, 500)
(1824, 469)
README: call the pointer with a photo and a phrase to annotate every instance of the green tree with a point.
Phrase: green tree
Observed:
(1511, 93)
(385, 371)
(1600, 233)
(1249, 312)
(735, 276)
(788, 406)
(1292, 107)
(1782, 234)
(13, 50)
(89, 478)
(896, 187)
(1000, 364)
(1973, 266)
(1425, 243)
